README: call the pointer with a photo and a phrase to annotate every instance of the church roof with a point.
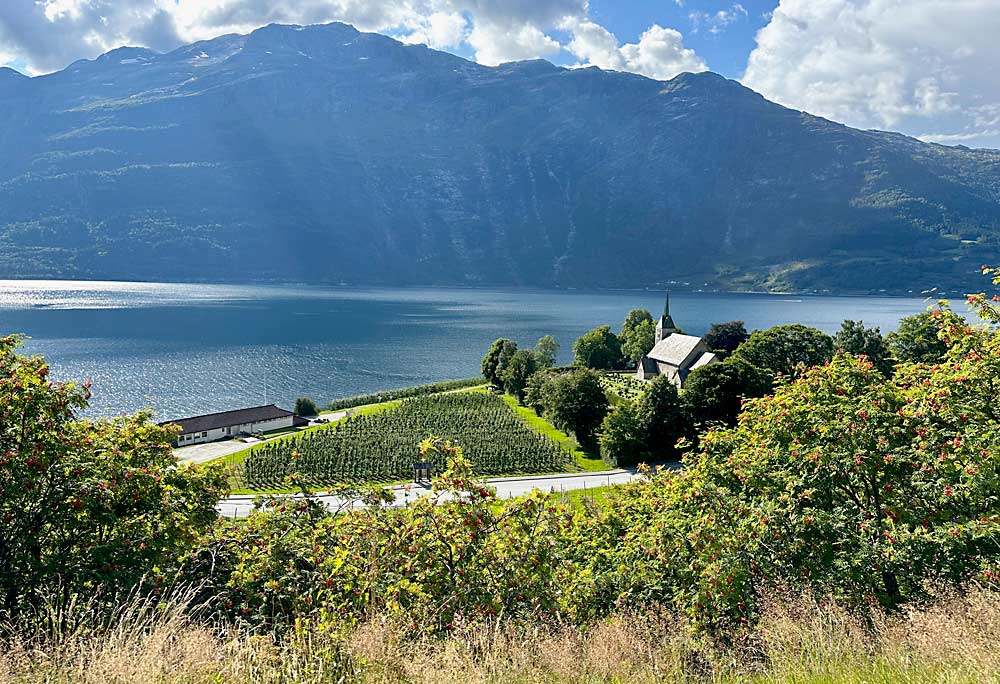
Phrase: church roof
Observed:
(703, 360)
(674, 349)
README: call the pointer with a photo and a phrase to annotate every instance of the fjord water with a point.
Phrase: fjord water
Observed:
(187, 349)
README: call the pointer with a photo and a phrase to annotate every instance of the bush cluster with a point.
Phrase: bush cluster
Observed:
(841, 484)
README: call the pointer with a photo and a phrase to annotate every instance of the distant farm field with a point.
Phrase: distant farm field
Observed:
(383, 447)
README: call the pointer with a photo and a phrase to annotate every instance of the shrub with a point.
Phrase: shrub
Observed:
(842, 483)
(88, 508)
(304, 406)
(455, 553)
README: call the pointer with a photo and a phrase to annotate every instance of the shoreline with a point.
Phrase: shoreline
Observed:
(486, 287)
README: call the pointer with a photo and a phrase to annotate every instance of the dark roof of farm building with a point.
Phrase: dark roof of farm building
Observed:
(213, 421)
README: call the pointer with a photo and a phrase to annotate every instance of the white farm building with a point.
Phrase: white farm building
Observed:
(216, 426)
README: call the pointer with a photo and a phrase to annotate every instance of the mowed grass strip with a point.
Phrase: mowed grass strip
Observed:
(382, 446)
(586, 461)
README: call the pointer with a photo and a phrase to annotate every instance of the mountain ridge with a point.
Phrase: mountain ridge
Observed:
(324, 154)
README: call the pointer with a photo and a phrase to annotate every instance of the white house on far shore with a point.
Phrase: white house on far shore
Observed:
(674, 354)
(216, 426)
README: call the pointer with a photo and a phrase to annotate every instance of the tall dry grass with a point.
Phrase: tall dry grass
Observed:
(956, 640)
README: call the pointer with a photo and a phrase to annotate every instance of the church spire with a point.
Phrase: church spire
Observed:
(665, 326)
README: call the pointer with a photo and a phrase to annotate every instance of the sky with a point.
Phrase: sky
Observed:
(922, 67)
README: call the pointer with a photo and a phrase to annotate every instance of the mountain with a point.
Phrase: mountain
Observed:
(323, 154)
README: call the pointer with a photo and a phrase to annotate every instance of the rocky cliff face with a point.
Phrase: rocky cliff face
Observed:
(328, 155)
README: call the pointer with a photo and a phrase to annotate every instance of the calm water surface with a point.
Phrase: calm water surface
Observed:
(190, 349)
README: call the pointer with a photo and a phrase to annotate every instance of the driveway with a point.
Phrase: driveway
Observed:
(506, 487)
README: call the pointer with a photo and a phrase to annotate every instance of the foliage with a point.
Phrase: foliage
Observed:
(854, 338)
(663, 419)
(598, 349)
(304, 406)
(572, 401)
(724, 338)
(546, 350)
(783, 348)
(639, 342)
(916, 339)
(715, 393)
(456, 553)
(637, 335)
(516, 372)
(649, 428)
(496, 357)
(382, 447)
(88, 508)
(622, 438)
(842, 483)
(404, 393)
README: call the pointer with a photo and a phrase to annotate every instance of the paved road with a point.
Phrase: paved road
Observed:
(506, 488)
(201, 453)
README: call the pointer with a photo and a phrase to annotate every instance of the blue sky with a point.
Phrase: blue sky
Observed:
(725, 50)
(921, 67)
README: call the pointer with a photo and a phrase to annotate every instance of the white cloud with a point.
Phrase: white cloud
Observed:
(716, 22)
(440, 30)
(924, 67)
(660, 52)
(497, 43)
(48, 34)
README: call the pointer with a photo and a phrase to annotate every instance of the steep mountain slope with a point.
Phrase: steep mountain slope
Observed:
(324, 154)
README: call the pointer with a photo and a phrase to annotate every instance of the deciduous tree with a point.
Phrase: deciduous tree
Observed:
(598, 349)
(499, 352)
(855, 338)
(517, 371)
(916, 339)
(724, 338)
(785, 348)
(715, 393)
(546, 350)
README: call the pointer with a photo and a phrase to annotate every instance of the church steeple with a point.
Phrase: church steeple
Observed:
(665, 326)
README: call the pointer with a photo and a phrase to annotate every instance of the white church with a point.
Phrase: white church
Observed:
(674, 354)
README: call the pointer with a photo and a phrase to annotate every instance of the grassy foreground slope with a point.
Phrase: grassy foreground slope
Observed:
(950, 642)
